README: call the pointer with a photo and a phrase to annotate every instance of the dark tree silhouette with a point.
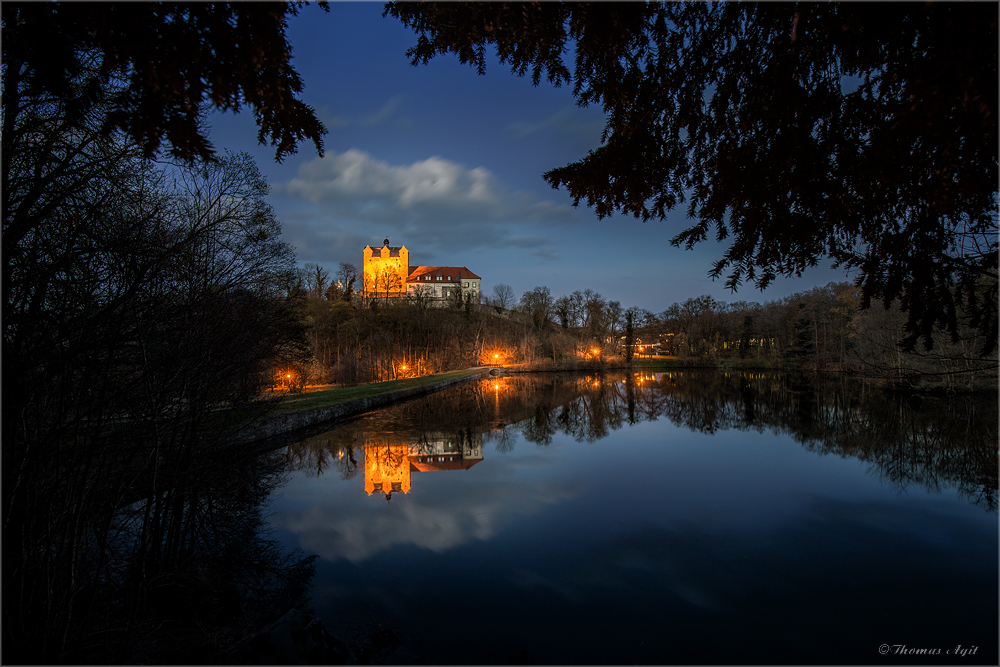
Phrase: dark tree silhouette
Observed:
(142, 303)
(862, 132)
(173, 59)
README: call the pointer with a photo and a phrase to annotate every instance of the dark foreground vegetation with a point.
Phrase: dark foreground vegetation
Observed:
(149, 301)
(143, 312)
(862, 132)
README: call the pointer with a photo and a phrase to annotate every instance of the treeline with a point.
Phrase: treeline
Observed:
(825, 328)
(355, 340)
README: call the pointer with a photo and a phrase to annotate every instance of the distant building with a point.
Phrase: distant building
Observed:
(443, 282)
(388, 274)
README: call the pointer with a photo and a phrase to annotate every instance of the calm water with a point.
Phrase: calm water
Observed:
(676, 518)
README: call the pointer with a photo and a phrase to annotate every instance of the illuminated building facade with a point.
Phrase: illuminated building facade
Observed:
(388, 274)
(388, 465)
(387, 468)
(386, 270)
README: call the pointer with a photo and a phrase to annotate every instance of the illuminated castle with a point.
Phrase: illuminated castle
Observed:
(388, 465)
(388, 274)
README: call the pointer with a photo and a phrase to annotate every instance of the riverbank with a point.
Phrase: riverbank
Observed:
(599, 365)
(316, 408)
(907, 381)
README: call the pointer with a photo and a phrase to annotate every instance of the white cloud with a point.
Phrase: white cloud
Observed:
(435, 202)
(355, 182)
(385, 114)
(438, 518)
(567, 120)
(388, 113)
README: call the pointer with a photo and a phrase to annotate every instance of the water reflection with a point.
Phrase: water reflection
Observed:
(687, 507)
(932, 442)
(181, 574)
(389, 463)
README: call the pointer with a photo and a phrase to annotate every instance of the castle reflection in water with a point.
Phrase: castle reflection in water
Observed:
(389, 463)
(930, 441)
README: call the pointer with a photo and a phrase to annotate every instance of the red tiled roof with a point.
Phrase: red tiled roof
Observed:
(456, 272)
(430, 466)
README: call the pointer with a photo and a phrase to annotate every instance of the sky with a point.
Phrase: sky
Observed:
(449, 164)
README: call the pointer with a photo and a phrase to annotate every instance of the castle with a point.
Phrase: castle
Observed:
(388, 274)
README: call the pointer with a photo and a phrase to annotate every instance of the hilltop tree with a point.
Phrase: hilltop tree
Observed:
(503, 296)
(538, 304)
(347, 275)
(866, 133)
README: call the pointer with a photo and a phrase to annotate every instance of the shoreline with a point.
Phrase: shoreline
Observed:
(300, 422)
(294, 421)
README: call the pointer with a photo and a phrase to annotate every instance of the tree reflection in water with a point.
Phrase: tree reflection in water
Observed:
(934, 442)
(185, 572)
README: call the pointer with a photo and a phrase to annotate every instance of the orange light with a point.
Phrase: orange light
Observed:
(404, 368)
(289, 375)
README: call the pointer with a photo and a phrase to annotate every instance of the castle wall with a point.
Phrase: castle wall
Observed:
(385, 270)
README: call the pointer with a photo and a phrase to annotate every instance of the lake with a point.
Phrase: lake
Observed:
(667, 518)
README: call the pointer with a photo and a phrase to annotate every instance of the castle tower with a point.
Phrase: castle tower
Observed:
(385, 270)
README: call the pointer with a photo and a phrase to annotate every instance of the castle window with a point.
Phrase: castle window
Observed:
(466, 283)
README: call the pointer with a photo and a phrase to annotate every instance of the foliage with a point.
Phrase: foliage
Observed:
(824, 328)
(169, 59)
(142, 312)
(863, 132)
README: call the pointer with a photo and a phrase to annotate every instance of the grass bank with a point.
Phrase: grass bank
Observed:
(331, 397)
(295, 415)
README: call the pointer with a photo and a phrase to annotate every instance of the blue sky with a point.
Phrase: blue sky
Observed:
(450, 163)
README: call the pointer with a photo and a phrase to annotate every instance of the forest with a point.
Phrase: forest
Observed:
(825, 329)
